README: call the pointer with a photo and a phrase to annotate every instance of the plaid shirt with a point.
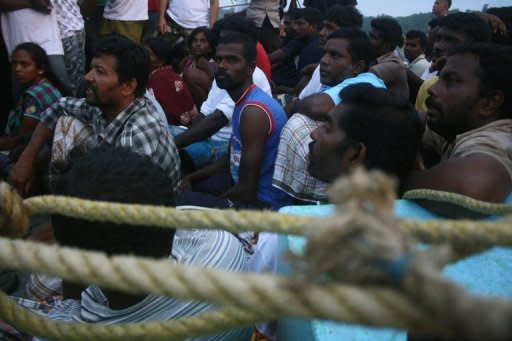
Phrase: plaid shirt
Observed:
(291, 168)
(136, 127)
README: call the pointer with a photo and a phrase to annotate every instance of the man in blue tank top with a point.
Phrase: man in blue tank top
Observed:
(244, 178)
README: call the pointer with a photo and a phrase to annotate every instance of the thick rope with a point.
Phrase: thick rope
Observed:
(459, 200)
(265, 295)
(200, 325)
(462, 234)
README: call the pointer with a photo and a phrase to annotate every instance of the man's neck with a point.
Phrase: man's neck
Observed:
(237, 92)
(111, 112)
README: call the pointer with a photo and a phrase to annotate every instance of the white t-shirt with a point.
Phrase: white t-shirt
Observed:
(27, 25)
(314, 85)
(219, 99)
(126, 10)
(189, 13)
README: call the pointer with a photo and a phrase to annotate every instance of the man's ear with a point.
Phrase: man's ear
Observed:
(491, 103)
(250, 68)
(129, 86)
(358, 67)
(358, 154)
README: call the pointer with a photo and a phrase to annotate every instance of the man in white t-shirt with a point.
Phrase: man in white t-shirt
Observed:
(36, 23)
(177, 18)
(125, 18)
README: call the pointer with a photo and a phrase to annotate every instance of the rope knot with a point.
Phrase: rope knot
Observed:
(14, 216)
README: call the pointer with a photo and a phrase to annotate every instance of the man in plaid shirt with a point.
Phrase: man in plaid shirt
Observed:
(114, 112)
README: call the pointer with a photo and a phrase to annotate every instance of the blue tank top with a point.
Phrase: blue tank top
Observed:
(266, 193)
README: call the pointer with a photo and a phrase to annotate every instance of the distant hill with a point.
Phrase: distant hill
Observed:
(417, 21)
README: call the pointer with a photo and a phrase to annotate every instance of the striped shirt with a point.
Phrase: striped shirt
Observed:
(69, 18)
(208, 248)
(137, 128)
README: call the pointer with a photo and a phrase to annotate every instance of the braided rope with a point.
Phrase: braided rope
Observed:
(200, 325)
(460, 200)
(265, 295)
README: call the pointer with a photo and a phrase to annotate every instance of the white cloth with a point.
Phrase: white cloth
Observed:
(419, 65)
(427, 74)
(189, 13)
(314, 85)
(27, 25)
(126, 10)
(205, 248)
(218, 99)
(69, 18)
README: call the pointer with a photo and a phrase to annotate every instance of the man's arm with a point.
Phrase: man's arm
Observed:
(316, 106)
(162, 23)
(87, 7)
(201, 130)
(478, 176)
(214, 11)
(254, 129)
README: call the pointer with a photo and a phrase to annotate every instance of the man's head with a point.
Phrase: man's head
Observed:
(288, 24)
(306, 22)
(441, 7)
(339, 17)
(348, 52)
(234, 24)
(370, 127)
(115, 175)
(119, 72)
(415, 44)
(385, 35)
(236, 60)
(473, 89)
(459, 29)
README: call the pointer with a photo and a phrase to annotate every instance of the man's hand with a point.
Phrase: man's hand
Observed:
(163, 28)
(43, 6)
(497, 25)
(22, 175)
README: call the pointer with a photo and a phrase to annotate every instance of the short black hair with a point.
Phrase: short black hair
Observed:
(132, 60)
(311, 15)
(207, 32)
(344, 16)
(389, 30)
(495, 69)
(471, 25)
(115, 175)
(235, 23)
(248, 43)
(360, 47)
(324, 6)
(160, 47)
(415, 34)
(505, 14)
(386, 124)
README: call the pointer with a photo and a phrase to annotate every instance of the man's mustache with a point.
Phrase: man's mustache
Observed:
(431, 103)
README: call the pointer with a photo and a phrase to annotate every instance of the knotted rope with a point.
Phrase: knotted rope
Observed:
(361, 246)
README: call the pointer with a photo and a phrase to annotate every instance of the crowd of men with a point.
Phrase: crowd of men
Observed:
(162, 102)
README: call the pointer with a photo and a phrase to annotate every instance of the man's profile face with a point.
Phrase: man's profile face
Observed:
(232, 67)
(327, 159)
(288, 26)
(413, 49)
(336, 64)
(103, 88)
(440, 8)
(379, 45)
(328, 28)
(453, 102)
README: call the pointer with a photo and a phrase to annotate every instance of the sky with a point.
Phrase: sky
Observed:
(408, 7)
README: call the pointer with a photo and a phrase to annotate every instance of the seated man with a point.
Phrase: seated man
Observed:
(108, 174)
(385, 36)
(114, 112)
(469, 127)
(242, 180)
(348, 53)
(372, 128)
